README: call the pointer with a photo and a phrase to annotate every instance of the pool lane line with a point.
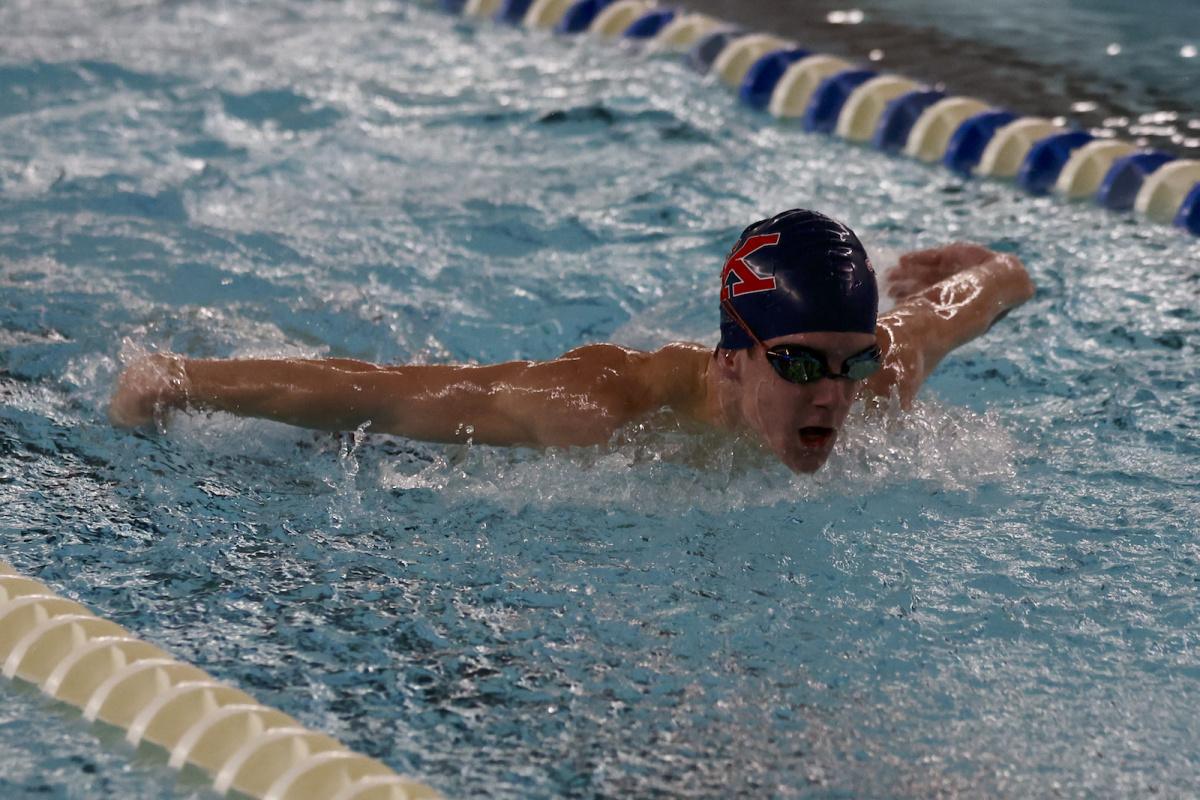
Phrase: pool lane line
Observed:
(91, 663)
(892, 113)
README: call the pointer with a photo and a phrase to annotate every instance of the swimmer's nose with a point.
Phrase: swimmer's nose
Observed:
(832, 392)
(828, 392)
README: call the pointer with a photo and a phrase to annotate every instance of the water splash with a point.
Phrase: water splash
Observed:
(673, 471)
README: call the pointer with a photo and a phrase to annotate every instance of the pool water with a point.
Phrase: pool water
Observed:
(992, 596)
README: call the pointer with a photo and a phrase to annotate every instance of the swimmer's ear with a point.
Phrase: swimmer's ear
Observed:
(728, 365)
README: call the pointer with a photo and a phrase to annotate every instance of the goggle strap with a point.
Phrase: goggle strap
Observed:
(728, 306)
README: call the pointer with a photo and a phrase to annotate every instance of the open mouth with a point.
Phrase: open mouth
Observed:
(817, 437)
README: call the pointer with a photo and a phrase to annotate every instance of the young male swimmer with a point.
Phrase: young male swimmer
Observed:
(801, 339)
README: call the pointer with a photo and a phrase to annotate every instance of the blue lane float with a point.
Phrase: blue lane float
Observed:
(827, 101)
(649, 24)
(581, 15)
(705, 51)
(1189, 213)
(764, 74)
(971, 138)
(1046, 159)
(899, 117)
(1125, 177)
(513, 11)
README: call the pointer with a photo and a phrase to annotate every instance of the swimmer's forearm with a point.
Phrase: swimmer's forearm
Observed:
(328, 394)
(312, 394)
(975, 298)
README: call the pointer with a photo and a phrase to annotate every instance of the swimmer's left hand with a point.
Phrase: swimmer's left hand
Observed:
(917, 271)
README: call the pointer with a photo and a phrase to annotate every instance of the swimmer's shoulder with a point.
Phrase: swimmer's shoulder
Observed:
(674, 377)
(671, 376)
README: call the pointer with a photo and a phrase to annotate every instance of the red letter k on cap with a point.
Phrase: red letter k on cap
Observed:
(747, 280)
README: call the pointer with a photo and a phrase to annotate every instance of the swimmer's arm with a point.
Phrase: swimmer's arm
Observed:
(579, 398)
(921, 329)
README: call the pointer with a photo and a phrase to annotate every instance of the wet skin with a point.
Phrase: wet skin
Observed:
(799, 423)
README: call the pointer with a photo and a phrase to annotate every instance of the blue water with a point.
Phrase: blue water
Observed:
(992, 596)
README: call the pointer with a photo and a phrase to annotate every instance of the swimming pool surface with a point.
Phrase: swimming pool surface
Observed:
(992, 596)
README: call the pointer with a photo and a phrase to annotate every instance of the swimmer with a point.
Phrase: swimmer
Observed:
(801, 340)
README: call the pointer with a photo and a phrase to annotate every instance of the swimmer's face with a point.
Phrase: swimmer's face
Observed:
(799, 423)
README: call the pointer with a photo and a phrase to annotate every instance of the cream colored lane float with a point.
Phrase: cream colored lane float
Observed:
(546, 13)
(616, 19)
(860, 115)
(740, 54)
(1165, 189)
(795, 89)
(681, 33)
(1004, 154)
(100, 668)
(482, 8)
(1084, 171)
(930, 134)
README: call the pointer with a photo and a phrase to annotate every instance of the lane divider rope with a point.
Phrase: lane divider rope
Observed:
(891, 112)
(100, 668)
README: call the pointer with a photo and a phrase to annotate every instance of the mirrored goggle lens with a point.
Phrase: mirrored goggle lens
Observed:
(862, 367)
(798, 368)
(803, 367)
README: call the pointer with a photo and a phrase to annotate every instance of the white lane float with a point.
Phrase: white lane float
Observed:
(546, 14)
(1165, 189)
(1084, 171)
(740, 54)
(930, 135)
(684, 31)
(616, 19)
(860, 114)
(99, 667)
(1004, 154)
(795, 89)
(482, 8)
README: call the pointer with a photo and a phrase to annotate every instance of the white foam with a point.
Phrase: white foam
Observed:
(673, 471)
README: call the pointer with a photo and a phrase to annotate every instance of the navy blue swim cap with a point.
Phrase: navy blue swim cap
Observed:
(797, 272)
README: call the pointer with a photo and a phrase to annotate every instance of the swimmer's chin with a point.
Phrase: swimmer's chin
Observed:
(808, 457)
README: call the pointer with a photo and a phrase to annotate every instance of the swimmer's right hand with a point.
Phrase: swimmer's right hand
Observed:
(147, 388)
(917, 271)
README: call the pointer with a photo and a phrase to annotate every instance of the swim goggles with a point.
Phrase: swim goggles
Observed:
(799, 364)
